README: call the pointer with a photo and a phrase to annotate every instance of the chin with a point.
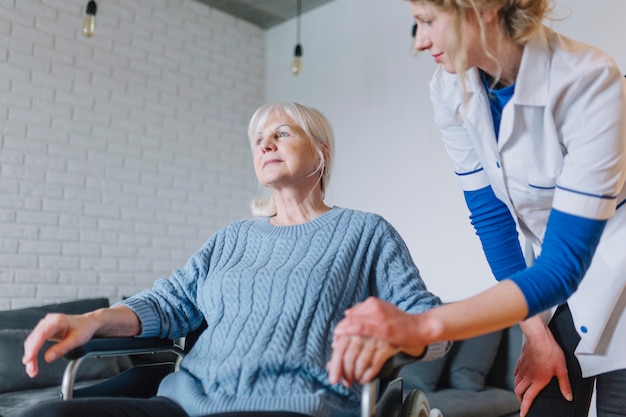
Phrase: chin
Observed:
(448, 68)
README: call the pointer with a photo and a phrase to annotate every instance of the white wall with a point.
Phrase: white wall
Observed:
(357, 69)
(122, 153)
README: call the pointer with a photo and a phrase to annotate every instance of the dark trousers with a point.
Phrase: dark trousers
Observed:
(130, 407)
(611, 387)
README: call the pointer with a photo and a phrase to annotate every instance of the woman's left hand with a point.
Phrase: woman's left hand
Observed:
(540, 360)
(357, 359)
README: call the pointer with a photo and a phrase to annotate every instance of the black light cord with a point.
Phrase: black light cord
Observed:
(298, 19)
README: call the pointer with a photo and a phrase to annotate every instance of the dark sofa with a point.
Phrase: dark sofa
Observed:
(17, 390)
(475, 379)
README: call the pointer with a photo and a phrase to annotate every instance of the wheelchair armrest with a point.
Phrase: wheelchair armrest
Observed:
(115, 346)
(385, 391)
(392, 367)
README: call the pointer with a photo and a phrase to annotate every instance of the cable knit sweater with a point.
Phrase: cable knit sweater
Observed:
(271, 296)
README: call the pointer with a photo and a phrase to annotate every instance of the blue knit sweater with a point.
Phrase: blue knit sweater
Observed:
(271, 296)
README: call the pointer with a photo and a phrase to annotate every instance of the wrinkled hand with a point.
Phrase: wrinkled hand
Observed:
(381, 320)
(538, 363)
(70, 331)
(357, 359)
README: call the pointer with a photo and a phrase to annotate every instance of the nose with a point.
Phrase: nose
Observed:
(420, 41)
(268, 145)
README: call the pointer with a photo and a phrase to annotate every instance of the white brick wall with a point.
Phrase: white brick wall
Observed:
(120, 154)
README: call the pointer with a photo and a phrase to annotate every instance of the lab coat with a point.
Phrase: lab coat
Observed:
(562, 145)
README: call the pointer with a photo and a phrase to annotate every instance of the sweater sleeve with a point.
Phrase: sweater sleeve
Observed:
(395, 277)
(398, 281)
(568, 247)
(170, 309)
(496, 229)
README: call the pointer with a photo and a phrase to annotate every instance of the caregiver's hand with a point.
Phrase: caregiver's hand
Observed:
(383, 321)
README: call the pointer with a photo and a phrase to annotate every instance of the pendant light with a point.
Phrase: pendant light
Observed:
(89, 24)
(296, 66)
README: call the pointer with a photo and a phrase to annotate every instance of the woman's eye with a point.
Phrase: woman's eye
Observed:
(259, 141)
(422, 21)
(282, 134)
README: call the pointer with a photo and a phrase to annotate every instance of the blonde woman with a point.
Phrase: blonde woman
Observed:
(534, 123)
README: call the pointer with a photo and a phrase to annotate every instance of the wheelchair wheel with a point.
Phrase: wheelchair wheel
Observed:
(415, 405)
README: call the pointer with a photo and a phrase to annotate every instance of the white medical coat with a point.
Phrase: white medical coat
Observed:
(562, 144)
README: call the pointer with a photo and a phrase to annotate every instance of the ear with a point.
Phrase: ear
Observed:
(488, 15)
(326, 152)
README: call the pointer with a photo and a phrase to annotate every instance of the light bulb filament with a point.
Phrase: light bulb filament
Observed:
(89, 25)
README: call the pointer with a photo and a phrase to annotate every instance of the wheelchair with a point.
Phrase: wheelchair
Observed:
(382, 397)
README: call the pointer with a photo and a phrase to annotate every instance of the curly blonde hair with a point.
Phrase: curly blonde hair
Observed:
(519, 20)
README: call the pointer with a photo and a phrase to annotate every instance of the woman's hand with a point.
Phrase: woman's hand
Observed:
(383, 321)
(541, 359)
(71, 331)
(370, 333)
(357, 359)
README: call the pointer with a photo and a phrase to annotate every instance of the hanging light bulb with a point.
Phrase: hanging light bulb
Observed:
(89, 24)
(296, 66)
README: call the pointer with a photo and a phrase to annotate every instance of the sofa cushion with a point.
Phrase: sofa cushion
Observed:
(471, 360)
(501, 373)
(15, 326)
(491, 402)
(27, 318)
(465, 367)
(13, 376)
(422, 375)
(13, 404)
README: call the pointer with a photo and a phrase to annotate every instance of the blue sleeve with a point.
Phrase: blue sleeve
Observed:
(568, 247)
(397, 279)
(170, 309)
(497, 231)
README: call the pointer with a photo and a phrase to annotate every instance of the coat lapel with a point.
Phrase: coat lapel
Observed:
(531, 86)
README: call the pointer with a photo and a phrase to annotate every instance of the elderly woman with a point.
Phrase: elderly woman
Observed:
(270, 289)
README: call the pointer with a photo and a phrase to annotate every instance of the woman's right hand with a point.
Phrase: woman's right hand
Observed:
(70, 331)
(384, 321)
